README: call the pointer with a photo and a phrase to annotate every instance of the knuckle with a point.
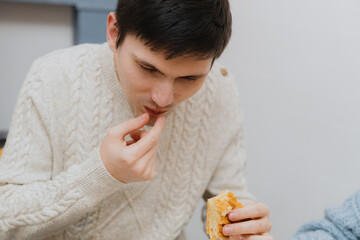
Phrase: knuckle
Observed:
(152, 140)
(151, 176)
(132, 157)
(262, 209)
(267, 211)
(259, 225)
(259, 210)
(130, 161)
(265, 206)
(259, 213)
(138, 170)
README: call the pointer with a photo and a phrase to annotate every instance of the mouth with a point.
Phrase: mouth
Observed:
(153, 112)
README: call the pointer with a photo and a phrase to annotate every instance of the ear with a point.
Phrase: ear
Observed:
(111, 31)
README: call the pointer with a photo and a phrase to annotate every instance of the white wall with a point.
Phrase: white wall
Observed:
(297, 69)
(297, 65)
(27, 31)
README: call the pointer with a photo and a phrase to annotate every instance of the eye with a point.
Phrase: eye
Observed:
(190, 79)
(148, 69)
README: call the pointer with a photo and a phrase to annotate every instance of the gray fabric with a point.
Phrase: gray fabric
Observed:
(340, 223)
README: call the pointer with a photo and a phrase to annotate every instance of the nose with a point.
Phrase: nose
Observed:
(163, 93)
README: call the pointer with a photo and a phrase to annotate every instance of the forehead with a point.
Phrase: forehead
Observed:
(170, 49)
(137, 49)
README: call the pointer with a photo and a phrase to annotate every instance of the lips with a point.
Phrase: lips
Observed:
(154, 112)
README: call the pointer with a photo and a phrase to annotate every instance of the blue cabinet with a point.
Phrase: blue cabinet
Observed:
(89, 17)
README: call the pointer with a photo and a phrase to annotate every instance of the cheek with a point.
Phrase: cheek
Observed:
(185, 90)
(136, 81)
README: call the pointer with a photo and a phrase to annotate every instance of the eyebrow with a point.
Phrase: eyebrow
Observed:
(143, 62)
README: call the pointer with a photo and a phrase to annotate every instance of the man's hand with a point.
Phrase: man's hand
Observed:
(250, 222)
(132, 160)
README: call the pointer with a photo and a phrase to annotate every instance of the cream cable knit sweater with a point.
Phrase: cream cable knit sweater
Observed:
(53, 184)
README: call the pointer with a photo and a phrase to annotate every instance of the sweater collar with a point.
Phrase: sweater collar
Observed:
(113, 83)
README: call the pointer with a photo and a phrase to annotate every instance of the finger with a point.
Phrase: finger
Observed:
(129, 126)
(158, 127)
(148, 155)
(264, 236)
(238, 237)
(129, 142)
(144, 166)
(249, 211)
(137, 135)
(258, 226)
(141, 147)
(151, 166)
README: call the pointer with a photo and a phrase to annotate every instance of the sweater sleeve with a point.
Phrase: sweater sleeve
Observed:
(229, 175)
(230, 171)
(33, 202)
(340, 223)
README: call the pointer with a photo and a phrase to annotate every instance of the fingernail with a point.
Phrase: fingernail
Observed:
(142, 116)
(227, 230)
(233, 215)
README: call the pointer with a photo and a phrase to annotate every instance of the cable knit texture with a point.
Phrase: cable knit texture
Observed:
(53, 184)
(340, 223)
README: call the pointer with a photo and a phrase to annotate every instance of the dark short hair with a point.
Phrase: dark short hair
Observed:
(200, 28)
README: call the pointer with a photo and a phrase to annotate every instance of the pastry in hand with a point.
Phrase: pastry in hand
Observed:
(217, 209)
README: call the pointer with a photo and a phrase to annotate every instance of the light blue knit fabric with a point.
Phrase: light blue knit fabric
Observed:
(340, 223)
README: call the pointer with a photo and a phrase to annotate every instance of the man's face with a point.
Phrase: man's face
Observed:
(154, 84)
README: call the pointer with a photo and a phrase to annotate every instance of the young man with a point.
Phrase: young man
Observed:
(121, 140)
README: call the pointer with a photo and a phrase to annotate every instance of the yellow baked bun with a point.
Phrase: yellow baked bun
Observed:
(217, 209)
